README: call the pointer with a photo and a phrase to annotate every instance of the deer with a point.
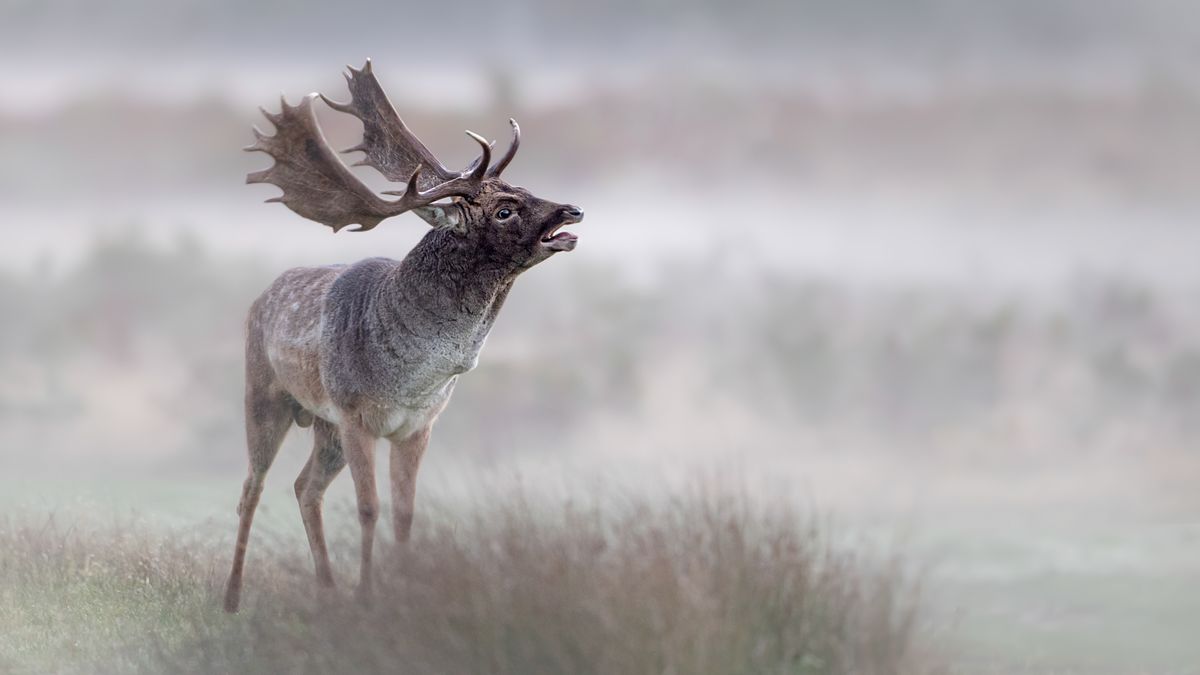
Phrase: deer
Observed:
(373, 350)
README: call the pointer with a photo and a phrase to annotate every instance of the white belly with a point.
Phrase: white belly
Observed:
(398, 421)
(404, 422)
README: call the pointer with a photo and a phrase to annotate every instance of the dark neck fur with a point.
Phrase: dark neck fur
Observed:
(453, 279)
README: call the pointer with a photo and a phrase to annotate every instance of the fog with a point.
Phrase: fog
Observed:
(929, 268)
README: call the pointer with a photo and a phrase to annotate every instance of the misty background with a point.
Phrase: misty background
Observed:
(932, 263)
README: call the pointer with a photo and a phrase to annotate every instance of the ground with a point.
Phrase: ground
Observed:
(1016, 591)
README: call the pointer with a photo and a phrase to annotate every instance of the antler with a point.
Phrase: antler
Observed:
(389, 146)
(317, 185)
(512, 150)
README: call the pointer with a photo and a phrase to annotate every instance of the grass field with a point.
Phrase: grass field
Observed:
(703, 582)
(124, 575)
(1068, 592)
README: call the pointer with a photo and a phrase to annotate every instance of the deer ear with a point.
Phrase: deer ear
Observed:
(444, 216)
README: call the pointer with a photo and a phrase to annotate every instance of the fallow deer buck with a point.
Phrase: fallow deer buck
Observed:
(372, 350)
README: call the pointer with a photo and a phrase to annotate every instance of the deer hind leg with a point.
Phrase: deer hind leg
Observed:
(359, 448)
(323, 466)
(268, 417)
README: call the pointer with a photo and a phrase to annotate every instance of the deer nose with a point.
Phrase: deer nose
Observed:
(574, 211)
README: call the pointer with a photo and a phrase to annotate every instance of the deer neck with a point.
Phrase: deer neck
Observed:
(448, 285)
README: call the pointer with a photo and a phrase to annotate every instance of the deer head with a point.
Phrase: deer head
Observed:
(474, 205)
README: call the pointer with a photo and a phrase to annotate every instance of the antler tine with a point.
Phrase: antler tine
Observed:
(410, 191)
(412, 196)
(510, 153)
(485, 157)
(336, 105)
(271, 117)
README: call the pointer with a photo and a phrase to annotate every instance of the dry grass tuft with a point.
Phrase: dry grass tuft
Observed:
(708, 582)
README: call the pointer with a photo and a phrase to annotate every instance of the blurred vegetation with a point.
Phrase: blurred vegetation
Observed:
(1014, 149)
(1107, 367)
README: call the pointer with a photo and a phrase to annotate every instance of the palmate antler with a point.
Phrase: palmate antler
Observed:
(317, 185)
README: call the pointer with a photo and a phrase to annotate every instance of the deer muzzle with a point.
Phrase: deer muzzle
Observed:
(563, 241)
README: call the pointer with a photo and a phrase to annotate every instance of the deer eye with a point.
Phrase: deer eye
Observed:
(503, 214)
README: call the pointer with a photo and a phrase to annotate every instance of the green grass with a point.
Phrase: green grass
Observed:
(706, 582)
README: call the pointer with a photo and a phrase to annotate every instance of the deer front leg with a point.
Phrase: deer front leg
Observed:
(358, 446)
(406, 459)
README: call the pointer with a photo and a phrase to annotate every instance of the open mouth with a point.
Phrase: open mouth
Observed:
(555, 240)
